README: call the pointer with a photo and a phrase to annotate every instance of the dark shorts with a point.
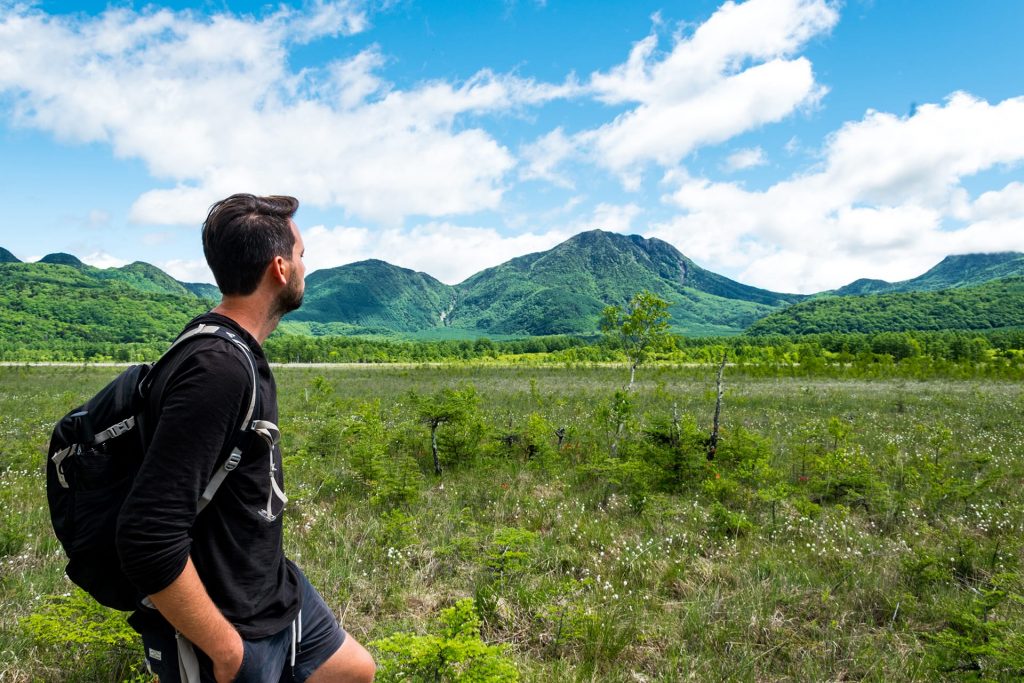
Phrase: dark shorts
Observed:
(315, 631)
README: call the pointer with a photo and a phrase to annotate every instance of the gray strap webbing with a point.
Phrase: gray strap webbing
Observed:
(236, 453)
(188, 663)
(266, 430)
(114, 430)
(219, 476)
(212, 329)
(58, 460)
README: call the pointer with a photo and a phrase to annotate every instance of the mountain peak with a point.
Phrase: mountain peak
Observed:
(979, 259)
(957, 270)
(62, 259)
(8, 257)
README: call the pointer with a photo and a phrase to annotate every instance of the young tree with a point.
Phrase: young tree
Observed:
(640, 328)
(445, 406)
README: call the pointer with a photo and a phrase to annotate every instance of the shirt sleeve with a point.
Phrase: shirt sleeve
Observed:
(200, 411)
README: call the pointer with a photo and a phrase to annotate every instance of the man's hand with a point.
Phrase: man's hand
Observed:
(227, 665)
(186, 604)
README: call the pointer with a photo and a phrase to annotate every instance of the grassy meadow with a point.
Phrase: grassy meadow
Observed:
(868, 530)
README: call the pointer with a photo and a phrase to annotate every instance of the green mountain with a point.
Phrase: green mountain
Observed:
(559, 291)
(53, 305)
(995, 304)
(375, 296)
(203, 290)
(61, 259)
(564, 289)
(144, 277)
(965, 270)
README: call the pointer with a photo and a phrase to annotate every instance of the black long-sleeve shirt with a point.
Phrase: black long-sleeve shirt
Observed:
(199, 399)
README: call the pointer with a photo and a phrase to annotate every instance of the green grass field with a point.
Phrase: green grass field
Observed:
(846, 530)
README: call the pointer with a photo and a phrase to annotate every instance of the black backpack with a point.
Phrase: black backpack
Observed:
(95, 452)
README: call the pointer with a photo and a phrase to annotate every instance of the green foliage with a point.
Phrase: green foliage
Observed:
(510, 551)
(392, 477)
(639, 329)
(353, 450)
(447, 406)
(841, 475)
(986, 306)
(88, 636)
(454, 654)
(538, 437)
(61, 309)
(676, 451)
(12, 533)
(976, 641)
(374, 294)
(872, 530)
(564, 290)
(76, 619)
(727, 522)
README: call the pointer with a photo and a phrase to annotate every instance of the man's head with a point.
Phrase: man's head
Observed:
(243, 234)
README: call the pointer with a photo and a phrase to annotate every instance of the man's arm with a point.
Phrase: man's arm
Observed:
(189, 608)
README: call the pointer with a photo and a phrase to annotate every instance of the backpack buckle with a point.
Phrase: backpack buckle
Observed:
(58, 461)
(233, 460)
(115, 430)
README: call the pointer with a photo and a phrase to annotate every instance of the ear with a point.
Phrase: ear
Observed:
(279, 270)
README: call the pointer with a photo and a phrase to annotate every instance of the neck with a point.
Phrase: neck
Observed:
(252, 313)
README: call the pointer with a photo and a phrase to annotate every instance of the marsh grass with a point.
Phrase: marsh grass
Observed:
(847, 529)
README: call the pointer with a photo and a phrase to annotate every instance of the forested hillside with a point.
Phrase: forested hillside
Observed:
(60, 307)
(964, 270)
(375, 296)
(564, 289)
(984, 307)
(62, 303)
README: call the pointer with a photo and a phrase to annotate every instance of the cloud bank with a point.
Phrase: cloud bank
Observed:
(888, 198)
(210, 105)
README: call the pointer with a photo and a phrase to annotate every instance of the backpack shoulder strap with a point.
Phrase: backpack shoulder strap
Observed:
(248, 423)
(206, 330)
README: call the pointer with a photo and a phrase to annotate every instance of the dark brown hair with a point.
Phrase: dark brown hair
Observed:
(241, 236)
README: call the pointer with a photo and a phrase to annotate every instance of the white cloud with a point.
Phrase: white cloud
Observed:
(1005, 204)
(211, 106)
(352, 81)
(614, 217)
(187, 270)
(330, 19)
(745, 158)
(734, 74)
(543, 156)
(450, 253)
(887, 202)
(102, 259)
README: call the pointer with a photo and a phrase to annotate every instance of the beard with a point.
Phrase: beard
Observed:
(291, 297)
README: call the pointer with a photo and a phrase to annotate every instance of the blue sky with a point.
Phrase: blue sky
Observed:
(790, 144)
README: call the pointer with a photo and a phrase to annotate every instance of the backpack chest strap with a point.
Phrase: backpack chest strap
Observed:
(266, 430)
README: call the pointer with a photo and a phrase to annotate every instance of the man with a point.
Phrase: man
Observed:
(224, 604)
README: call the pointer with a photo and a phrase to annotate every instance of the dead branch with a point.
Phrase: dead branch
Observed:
(713, 441)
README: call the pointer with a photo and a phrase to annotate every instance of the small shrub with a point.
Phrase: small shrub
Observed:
(728, 523)
(510, 551)
(537, 440)
(976, 640)
(455, 654)
(87, 638)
